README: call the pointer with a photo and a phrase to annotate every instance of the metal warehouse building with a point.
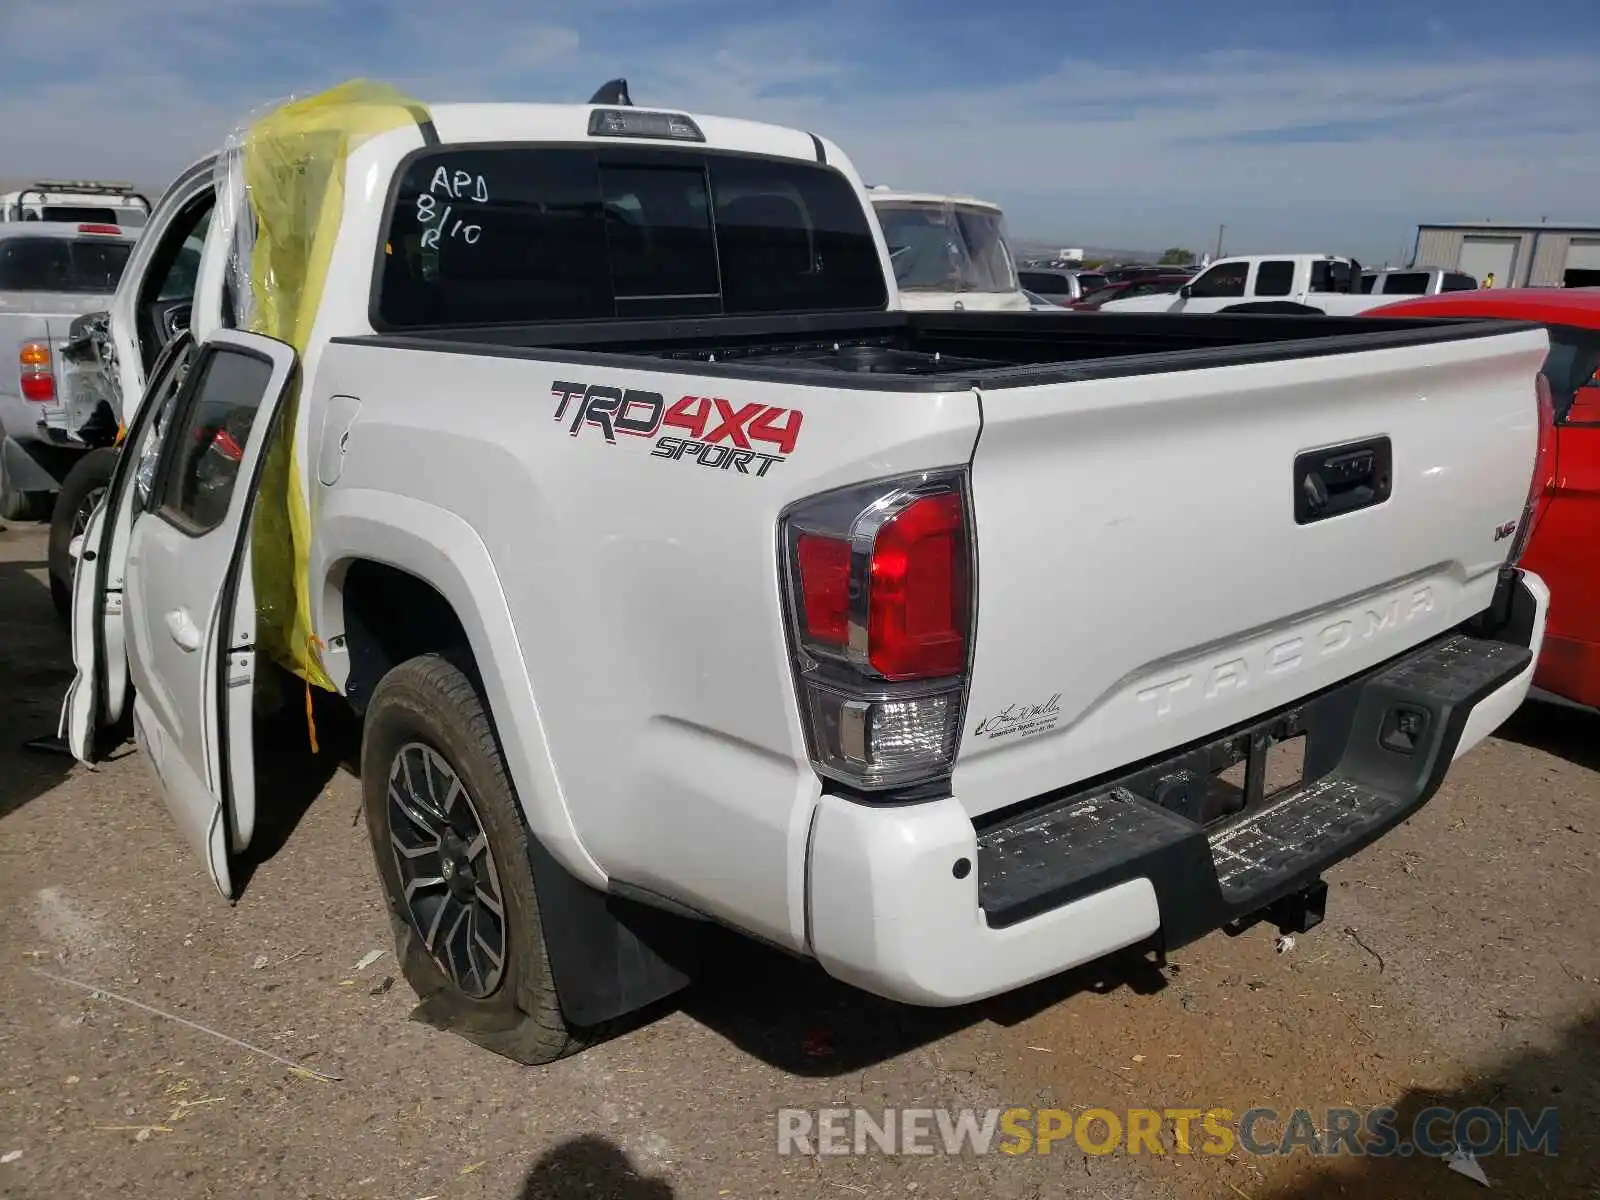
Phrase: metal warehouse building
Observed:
(1517, 255)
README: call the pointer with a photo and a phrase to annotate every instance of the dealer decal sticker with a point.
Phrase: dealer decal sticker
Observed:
(1021, 720)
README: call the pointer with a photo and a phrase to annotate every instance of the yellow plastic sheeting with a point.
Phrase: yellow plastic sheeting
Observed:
(294, 162)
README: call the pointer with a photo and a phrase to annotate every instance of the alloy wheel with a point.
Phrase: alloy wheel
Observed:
(447, 873)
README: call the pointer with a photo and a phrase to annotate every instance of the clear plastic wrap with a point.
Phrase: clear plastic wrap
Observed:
(946, 245)
(280, 191)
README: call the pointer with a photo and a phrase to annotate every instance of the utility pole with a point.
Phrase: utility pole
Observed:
(1221, 229)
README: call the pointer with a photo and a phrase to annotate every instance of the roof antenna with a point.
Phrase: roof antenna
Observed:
(614, 93)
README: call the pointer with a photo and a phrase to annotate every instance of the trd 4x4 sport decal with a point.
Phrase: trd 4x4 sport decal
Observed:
(721, 435)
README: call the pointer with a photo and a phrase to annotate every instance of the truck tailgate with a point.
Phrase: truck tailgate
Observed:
(1146, 577)
(47, 318)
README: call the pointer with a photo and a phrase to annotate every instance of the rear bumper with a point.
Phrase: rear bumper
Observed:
(917, 904)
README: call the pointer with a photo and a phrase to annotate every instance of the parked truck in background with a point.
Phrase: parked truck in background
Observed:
(108, 351)
(77, 200)
(50, 274)
(678, 575)
(1318, 284)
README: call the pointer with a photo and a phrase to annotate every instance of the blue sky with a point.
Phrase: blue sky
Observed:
(1139, 123)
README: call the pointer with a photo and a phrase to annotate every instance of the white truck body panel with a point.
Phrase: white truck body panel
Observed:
(619, 703)
(1086, 608)
(1142, 582)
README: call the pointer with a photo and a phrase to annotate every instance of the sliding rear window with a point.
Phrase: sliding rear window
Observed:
(521, 235)
(38, 264)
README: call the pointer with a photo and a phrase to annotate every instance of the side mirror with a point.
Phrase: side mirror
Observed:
(1186, 292)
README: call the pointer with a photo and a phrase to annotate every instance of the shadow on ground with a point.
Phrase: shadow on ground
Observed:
(295, 760)
(35, 669)
(790, 1014)
(1564, 1077)
(590, 1168)
(1566, 731)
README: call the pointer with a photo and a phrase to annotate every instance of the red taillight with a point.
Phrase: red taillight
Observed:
(34, 373)
(879, 585)
(917, 596)
(824, 564)
(113, 230)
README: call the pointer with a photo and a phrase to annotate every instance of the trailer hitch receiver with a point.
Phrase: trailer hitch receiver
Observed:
(1300, 911)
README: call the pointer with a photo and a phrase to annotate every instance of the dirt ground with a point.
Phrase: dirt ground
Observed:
(1458, 965)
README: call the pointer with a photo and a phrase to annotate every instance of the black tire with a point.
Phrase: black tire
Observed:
(432, 702)
(25, 506)
(1275, 308)
(80, 490)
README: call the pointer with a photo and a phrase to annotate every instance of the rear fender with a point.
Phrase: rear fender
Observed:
(445, 552)
(609, 954)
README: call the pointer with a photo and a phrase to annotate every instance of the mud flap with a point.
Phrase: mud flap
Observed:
(609, 956)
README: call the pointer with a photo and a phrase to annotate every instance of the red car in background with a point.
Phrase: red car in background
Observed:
(1564, 547)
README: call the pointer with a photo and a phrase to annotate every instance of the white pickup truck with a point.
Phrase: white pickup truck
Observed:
(1264, 283)
(679, 577)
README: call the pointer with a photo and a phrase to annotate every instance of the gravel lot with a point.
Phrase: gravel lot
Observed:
(1458, 965)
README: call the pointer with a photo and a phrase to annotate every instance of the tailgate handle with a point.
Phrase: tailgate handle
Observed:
(1342, 479)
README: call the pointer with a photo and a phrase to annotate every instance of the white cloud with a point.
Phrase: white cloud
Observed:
(1092, 151)
(1437, 139)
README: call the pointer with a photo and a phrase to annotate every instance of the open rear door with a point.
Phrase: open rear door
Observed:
(189, 603)
(97, 696)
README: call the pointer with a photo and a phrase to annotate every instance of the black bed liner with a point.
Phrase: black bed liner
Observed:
(941, 351)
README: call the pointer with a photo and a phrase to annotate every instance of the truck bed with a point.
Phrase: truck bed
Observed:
(942, 351)
(1149, 573)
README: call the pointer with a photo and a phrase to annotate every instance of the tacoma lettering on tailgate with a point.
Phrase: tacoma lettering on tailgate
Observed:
(721, 435)
(1270, 660)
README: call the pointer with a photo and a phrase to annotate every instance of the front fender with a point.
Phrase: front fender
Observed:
(442, 550)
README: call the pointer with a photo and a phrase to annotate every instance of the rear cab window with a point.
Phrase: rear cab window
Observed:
(508, 235)
(62, 264)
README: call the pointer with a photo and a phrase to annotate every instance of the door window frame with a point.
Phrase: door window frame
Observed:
(174, 236)
(162, 503)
